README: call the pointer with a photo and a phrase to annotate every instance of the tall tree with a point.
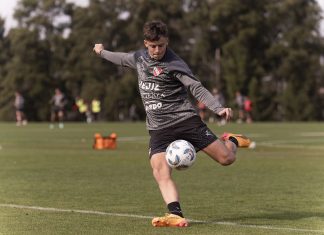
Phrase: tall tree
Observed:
(268, 49)
(294, 57)
(5, 100)
(33, 65)
(27, 71)
(241, 26)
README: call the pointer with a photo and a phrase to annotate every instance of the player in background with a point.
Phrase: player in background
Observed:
(164, 80)
(248, 109)
(239, 99)
(58, 102)
(95, 108)
(19, 105)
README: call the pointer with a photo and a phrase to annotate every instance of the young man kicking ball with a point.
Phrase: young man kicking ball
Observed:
(164, 81)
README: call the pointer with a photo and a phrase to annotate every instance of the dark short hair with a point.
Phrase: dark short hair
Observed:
(154, 30)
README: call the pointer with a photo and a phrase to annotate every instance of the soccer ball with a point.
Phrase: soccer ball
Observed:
(180, 154)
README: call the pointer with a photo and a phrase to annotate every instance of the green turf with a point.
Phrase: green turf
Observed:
(278, 188)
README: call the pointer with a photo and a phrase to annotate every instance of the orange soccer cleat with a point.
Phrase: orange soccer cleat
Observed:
(243, 141)
(170, 220)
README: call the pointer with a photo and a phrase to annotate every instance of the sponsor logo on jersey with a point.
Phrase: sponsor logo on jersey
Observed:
(157, 71)
(152, 95)
(149, 86)
(153, 106)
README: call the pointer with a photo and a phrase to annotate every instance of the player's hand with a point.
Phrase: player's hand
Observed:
(98, 48)
(227, 113)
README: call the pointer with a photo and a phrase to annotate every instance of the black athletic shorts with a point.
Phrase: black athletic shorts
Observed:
(56, 109)
(193, 130)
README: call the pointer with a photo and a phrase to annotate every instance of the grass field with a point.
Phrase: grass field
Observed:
(52, 182)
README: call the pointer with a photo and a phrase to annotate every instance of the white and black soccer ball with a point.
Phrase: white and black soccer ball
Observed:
(180, 154)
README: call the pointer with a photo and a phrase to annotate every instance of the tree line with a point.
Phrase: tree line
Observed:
(270, 50)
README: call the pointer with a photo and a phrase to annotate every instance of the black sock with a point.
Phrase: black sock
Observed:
(233, 140)
(174, 208)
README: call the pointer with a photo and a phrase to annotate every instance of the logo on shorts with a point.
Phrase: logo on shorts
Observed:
(208, 133)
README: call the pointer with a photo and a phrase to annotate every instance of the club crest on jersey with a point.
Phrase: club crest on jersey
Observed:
(157, 71)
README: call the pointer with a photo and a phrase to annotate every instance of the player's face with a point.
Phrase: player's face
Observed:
(156, 49)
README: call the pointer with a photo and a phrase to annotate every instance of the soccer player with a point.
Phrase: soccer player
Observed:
(19, 106)
(164, 80)
(58, 103)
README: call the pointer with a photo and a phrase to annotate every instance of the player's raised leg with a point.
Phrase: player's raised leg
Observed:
(222, 152)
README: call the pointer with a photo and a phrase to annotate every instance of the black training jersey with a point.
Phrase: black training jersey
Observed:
(163, 85)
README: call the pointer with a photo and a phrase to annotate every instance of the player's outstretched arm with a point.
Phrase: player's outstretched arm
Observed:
(118, 58)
